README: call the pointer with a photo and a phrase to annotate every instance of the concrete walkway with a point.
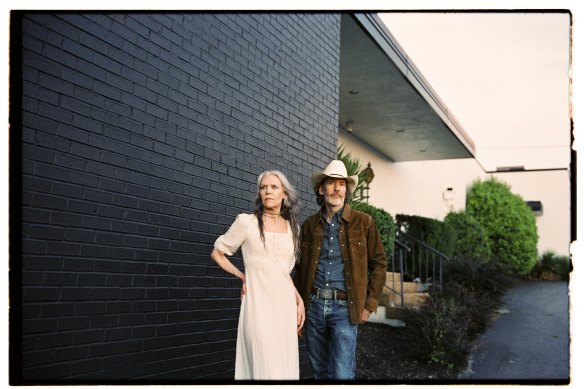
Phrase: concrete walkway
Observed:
(530, 342)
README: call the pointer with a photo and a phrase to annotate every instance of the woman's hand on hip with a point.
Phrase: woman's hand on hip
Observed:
(243, 287)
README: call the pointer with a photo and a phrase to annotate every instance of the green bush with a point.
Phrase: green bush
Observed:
(551, 267)
(384, 223)
(471, 238)
(509, 223)
(434, 233)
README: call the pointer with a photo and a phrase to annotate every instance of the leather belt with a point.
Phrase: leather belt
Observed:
(328, 294)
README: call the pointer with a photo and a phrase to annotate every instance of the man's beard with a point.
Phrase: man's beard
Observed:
(334, 201)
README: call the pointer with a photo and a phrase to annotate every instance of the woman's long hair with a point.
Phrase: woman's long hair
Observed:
(289, 209)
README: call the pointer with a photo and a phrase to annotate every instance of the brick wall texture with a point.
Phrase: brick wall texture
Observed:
(141, 138)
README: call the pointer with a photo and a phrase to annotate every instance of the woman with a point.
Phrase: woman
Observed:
(272, 311)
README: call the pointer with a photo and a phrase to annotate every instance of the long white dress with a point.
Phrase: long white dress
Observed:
(267, 342)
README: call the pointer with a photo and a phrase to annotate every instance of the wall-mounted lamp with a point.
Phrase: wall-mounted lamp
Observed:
(367, 176)
(349, 126)
(510, 168)
(536, 207)
(448, 195)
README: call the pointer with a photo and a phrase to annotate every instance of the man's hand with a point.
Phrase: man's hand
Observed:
(365, 315)
(300, 315)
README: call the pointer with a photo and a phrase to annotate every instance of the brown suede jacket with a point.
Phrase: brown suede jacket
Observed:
(362, 252)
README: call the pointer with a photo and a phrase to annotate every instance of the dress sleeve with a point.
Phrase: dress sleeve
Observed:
(230, 242)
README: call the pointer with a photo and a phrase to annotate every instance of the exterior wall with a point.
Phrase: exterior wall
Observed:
(142, 136)
(421, 188)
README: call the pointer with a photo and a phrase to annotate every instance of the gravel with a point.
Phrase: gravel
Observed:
(382, 355)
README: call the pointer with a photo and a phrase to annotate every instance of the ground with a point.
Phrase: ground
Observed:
(382, 355)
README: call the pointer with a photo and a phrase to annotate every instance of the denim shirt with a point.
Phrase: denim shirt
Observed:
(330, 271)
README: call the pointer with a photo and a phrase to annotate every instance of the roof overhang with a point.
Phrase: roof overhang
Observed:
(385, 101)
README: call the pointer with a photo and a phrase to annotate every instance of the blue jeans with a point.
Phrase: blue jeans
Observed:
(331, 339)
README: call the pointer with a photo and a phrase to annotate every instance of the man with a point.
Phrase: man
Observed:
(340, 274)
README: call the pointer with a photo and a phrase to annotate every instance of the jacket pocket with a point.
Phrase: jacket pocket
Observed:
(358, 247)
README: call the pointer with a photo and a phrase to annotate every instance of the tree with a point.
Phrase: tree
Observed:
(353, 166)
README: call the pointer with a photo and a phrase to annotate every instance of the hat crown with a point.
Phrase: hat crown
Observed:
(336, 169)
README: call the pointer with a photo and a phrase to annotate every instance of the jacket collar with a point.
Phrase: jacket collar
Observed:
(346, 215)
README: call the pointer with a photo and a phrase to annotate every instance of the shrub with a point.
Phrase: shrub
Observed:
(384, 223)
(551, 267)
(433, 232)
(436, 333)
(471, 238)
(508, 222)
(445, 325)
(491, 279)
(478, 287)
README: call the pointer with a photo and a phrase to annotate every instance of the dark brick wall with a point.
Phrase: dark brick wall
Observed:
(141, 138)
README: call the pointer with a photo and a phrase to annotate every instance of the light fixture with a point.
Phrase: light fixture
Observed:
(349, 126)
(367, 175)
(510, 168)
(448, 196)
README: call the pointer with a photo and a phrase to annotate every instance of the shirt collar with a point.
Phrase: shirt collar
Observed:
(343, 213)
(336, 215)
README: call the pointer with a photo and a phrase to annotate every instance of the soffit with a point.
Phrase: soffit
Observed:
(391, 106)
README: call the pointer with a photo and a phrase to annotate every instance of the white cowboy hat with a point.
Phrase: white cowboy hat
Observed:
(335, 169)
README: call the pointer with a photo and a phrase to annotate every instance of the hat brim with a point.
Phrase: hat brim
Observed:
(318, 177)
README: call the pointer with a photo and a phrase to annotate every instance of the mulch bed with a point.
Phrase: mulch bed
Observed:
(382, 354)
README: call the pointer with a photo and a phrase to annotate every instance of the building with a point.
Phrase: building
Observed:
(420, 175)
(135, 140)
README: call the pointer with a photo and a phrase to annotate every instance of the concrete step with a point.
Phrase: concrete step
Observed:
(391, 299)
(390, 310)
(409, 287)
(390, 304)
(392, 277)
(382, 317)
(393, 282)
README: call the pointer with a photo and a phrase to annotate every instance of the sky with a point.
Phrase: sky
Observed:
(505, 76)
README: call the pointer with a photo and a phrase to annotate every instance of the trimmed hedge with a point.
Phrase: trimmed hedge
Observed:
(434, 233)
(384, 223)
(471, 238)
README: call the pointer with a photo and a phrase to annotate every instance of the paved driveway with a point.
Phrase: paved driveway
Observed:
(531, 339)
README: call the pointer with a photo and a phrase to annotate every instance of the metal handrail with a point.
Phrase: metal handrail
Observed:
(425, 252)
(424, 244)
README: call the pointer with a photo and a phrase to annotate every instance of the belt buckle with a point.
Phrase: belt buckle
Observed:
(326, 293)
